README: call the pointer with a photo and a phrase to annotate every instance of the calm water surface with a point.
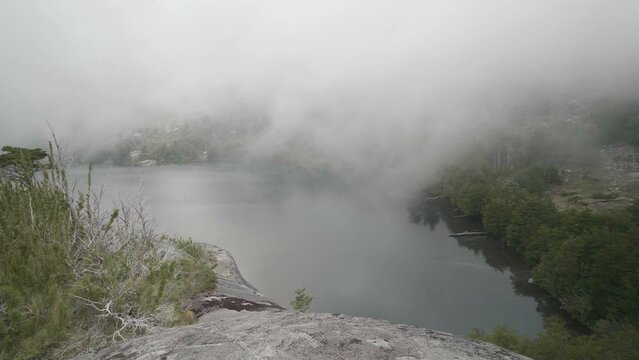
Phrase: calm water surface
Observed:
(356, 254)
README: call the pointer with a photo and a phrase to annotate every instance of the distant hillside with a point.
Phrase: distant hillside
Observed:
(180, 142)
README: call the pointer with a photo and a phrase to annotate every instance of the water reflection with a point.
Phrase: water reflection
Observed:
(429, 211)
(353, 249)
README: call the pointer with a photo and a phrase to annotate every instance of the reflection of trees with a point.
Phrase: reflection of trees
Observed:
(425, 212)
(494, 253)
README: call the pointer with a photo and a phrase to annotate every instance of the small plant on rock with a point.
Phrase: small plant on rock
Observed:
(302, 301)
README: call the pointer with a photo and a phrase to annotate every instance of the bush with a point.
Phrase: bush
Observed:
(496, 216)
(554, 342)
(577, 200)
(73, 276)
(604, 195)
(302, 301)
(567, 193)
(537, 178)
(527, 215)
(468, 189)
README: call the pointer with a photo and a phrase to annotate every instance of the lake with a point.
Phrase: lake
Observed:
(355, 253)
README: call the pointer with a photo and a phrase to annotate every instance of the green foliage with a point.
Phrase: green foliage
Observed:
(302, 301)
(576, 199)
(505, 337)
(554, 342)
(540, 241)
(604, 195)
(537, 178)
(185, 317)
(34, 223)
(567, 193)
(595, 274)
(496, 216)
(194, 250)
(15, 156)
(529, 213)
(182, 142)
(468, 188)
(20, 164)
(68, 270)
(589, 261)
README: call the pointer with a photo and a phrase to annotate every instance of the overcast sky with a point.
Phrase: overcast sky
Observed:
(352, 75)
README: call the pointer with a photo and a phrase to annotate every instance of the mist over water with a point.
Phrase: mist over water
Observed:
(290, 228)
(390, 89)
(371, 98)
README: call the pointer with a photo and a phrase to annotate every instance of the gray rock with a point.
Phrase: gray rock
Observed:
(232, 290)
(281, 334)
(271, 332)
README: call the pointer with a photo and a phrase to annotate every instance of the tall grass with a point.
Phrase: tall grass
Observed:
(74, 276)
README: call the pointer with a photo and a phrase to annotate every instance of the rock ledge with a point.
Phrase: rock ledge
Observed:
(237, 322)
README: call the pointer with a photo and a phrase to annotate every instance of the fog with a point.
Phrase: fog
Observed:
(385, 87)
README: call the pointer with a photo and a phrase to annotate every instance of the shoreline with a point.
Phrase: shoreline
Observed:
(548, 304)
(238, 322)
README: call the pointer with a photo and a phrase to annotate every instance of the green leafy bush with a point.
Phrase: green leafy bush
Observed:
(302, 301)
(607, 342)
(604, 195)
(537, 178)
(72, 276)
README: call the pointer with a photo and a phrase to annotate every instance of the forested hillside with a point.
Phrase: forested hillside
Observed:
(194, 140)
(540, 191)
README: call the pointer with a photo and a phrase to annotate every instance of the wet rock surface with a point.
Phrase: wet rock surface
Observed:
(237, 322)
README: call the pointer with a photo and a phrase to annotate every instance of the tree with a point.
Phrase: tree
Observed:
(496, 215)
(19, 164)
(608, 341)
(302, 301)
(536, 178)
(528, 214)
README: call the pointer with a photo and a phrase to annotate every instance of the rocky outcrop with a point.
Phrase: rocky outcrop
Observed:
(280, 334)
(232, 291)
(237, 322)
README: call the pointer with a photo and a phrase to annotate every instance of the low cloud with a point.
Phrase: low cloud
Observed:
(391, 85)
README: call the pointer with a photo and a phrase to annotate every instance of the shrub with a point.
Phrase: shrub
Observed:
(608, 341)
(73, 276)
(497, 215)
(302, 301)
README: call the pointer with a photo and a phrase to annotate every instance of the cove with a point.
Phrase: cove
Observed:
(356, 253)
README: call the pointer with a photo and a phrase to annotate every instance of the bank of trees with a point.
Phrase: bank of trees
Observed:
(588, 260)
(181, 142)
(74, 276)
(608, 341)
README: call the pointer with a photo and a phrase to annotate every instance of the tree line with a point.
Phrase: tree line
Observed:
(588, 260)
